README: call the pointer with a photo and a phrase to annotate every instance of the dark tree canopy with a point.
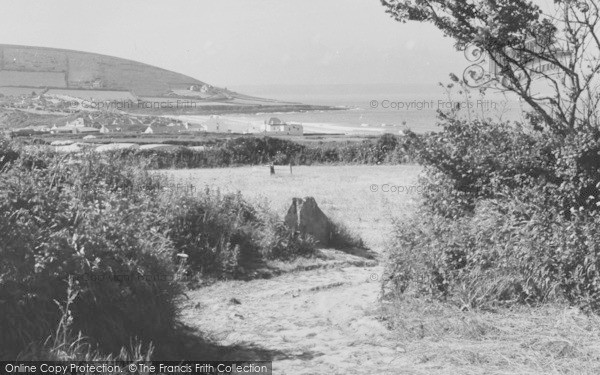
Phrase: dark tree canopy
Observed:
(523, 38)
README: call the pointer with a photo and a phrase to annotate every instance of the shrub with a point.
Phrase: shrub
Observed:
(342, 238)
(8, 153)
(508, 216)
(53, 228)
(276, 241)
(214, 231)
(223, 235)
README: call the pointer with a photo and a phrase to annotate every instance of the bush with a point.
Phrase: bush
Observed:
(508, 216)
(276, 241)
(342, 238)
(8, 153)
(54, 228)
(214, 231)
(223, 235)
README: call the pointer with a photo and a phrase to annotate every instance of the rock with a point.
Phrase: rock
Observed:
(306, 217)
(236, 316)
(235, 301)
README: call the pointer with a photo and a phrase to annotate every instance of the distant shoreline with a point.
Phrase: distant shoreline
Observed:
(233, 109)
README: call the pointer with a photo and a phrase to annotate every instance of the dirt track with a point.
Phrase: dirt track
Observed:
(323, 321)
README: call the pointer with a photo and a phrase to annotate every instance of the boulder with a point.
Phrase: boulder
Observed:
(306, 217)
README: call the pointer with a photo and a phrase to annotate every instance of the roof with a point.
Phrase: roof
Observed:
(275, 121)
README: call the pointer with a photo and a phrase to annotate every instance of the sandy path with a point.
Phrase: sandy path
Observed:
(325, 321)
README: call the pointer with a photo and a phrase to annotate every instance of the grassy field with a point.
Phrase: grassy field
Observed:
(330, 320)
(342, 192)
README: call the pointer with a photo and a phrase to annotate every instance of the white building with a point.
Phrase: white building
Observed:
(275, 126)
(78, 122)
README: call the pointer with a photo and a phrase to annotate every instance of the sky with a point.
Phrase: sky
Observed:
(243, 42)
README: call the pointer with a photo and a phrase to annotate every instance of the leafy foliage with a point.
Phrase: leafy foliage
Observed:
(103, 234)
(508, 216)
(54, 229)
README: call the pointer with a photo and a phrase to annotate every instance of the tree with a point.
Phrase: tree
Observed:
(524, 39)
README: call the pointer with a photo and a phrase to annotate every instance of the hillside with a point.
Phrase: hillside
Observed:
(40, 67)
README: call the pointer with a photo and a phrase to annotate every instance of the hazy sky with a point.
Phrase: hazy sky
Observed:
(242, 42)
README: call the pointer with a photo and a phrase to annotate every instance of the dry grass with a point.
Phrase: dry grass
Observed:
(342, 192)
(550, 339)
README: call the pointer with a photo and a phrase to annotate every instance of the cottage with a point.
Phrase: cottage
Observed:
(85, 129)
(149, 130)
(78, 122)
(275, 126)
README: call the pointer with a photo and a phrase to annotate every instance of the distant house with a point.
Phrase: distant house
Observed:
(104, 129)
(78, 122)
(62, 129)
(85, 129)
(275, 126)
(149, 130)
(97, 83)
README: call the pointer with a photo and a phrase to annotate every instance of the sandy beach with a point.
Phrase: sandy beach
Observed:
(245, 124)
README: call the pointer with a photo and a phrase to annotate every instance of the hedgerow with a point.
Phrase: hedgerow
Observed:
(388, 149)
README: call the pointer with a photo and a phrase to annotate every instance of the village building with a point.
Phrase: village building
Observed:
(78, 122)
(85, 129)
(149, 130)
(275, 126)
(97, 84)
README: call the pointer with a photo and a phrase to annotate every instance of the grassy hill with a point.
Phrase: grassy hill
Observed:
(23, 66)
(51, 72)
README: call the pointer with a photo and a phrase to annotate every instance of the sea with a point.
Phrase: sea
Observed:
(380, 108)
